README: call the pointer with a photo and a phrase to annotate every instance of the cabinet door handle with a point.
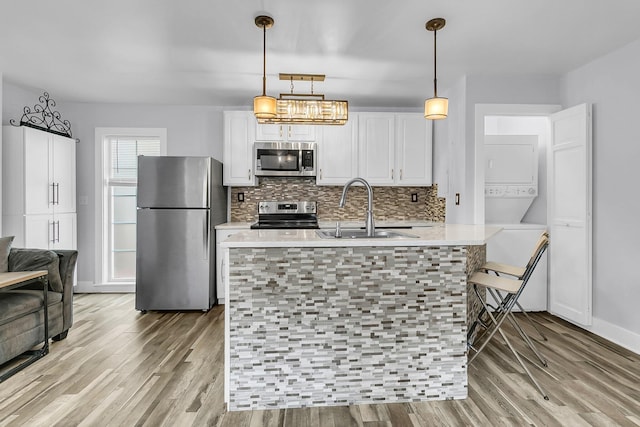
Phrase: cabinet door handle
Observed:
(52, 231)
(57, 193)
(58, 231)
(320, 173)
(391, 173)
(53, 194)
(280, 131)
(400, 173)
(222, 278)
(249, 173)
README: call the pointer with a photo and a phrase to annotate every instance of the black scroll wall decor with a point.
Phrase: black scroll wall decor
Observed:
(44, 117)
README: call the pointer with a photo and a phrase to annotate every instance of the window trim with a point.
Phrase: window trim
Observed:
(101, 230)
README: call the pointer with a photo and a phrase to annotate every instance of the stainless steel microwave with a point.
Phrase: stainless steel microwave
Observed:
(285, 158)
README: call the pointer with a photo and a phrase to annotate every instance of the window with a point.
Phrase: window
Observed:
(119, 171)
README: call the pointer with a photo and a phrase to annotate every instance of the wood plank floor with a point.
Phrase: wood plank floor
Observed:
(122, 368)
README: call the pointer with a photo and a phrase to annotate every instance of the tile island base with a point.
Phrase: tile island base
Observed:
(321, 326)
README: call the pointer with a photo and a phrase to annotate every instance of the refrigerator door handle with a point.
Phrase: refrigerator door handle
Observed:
(205, 236)
(205, 186)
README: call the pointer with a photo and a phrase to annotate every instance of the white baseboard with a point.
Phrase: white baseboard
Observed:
(623, 337)
(90, 288)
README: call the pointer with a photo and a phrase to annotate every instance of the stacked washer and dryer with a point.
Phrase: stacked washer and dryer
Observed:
(511, 186)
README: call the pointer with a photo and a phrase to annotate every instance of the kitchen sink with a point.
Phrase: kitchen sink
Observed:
(362, 234)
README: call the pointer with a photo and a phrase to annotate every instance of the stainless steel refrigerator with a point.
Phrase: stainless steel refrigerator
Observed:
(180, 201)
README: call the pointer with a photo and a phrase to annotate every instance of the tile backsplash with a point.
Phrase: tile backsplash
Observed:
(389, 203)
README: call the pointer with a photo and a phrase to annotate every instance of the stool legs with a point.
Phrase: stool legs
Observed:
(504, 312)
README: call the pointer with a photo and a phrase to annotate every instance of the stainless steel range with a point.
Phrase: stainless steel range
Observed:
(286, 214)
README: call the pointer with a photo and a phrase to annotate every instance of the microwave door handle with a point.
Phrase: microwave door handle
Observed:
(300, 155)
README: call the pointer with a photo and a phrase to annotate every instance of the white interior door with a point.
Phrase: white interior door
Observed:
(569, 215)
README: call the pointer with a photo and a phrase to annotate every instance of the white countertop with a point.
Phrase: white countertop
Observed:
(233, 225)
(436, 235)
(343, 224)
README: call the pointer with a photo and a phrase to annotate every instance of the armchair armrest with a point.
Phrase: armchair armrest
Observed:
(23, 259)
(60, 265)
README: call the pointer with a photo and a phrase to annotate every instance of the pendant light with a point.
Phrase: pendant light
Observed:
(264, 107)
(435, 108)
(307, 108)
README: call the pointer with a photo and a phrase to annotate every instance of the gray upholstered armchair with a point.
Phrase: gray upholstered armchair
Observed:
(20, 328)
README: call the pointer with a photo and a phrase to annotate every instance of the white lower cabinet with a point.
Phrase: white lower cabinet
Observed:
(222, 261)
(44, 231)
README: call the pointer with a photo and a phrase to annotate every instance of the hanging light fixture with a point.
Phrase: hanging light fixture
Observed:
(264, 106)
(307, 108)
(435, 108)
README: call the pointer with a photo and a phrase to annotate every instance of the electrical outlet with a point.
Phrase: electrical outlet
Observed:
(414, 197)
(241, 197)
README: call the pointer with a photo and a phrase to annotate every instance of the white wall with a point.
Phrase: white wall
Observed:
(532, 89)
(191, 131)
(449, 138)
(611, 85)
(1, 152)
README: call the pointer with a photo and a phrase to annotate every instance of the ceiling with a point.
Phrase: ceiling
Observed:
(373, 52)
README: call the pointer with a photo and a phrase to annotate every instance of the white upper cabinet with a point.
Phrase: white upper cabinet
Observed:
(63, 158)
(395, 149)
(413, 150)
(49, 173)
(39, 188)
(294, 133)
(376, 145)
(386, 149)
(239, 135)
(337, 151)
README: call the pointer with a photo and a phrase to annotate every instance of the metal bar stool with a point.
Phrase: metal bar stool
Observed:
(505, 292)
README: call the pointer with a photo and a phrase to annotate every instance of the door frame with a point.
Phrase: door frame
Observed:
(481, 111)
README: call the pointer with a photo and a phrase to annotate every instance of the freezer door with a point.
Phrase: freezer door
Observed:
(174, 182)
(174, 267)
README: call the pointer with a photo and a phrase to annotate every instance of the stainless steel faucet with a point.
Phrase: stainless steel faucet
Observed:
(370, 226)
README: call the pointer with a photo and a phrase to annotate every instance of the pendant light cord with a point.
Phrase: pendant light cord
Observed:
(435, 79)
(264, 60)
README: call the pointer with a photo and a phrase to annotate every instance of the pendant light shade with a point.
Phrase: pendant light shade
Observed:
(264, 107)
(435, 108)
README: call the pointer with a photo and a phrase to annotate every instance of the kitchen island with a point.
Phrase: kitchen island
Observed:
(317, 322)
